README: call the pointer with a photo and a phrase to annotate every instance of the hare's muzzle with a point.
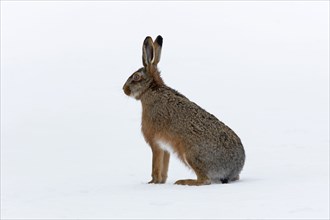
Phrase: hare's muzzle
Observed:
(127, 90)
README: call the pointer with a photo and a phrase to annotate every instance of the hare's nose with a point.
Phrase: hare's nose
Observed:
(126, 89)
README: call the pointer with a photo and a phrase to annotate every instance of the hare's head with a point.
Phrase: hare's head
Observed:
(148, 75)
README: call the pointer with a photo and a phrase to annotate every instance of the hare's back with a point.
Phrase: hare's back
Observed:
(186, 117)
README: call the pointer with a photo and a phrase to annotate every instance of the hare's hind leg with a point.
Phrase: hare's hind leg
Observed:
(202, 179)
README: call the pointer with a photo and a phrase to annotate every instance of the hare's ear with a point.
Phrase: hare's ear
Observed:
(148, 51)
(158, 43)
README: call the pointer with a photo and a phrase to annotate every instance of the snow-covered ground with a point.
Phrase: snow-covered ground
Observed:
(71, 145)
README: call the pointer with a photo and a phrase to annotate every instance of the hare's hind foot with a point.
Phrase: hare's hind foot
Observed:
(191, 182)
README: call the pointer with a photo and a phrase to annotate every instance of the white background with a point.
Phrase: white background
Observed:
(71, 145)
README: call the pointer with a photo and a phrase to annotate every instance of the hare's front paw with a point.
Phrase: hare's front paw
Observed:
(156, 181)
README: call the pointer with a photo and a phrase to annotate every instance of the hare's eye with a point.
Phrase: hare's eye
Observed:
(136, 77)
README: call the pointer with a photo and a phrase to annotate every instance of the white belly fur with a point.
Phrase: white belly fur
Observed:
(167, 147)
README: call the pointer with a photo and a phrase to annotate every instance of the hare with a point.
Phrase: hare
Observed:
(172, 123)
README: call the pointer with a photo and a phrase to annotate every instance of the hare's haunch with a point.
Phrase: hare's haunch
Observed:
(172, 123)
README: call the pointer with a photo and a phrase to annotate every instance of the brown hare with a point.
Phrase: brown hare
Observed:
(172, 123)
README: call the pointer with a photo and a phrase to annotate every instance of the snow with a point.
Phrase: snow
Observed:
(71, 145)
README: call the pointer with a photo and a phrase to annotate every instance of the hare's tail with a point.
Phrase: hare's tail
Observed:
(226, 180)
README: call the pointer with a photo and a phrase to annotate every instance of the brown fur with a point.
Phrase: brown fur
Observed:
(200, 140)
